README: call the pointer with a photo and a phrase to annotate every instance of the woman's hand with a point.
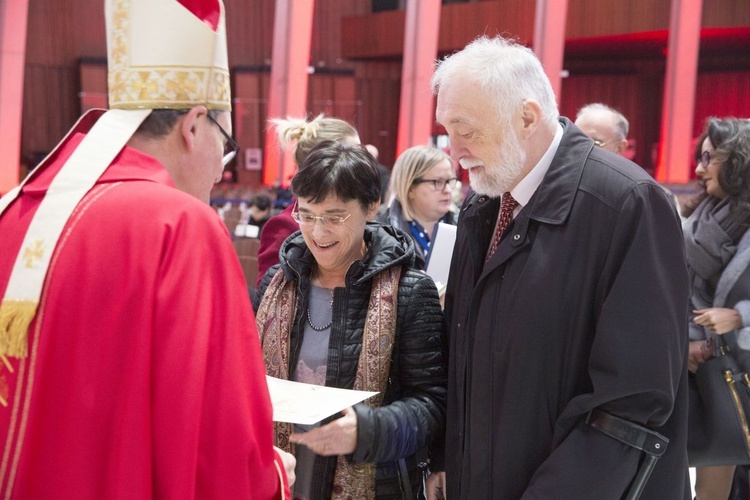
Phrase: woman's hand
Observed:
(718, 320)
(435, 485)
(698, 352)
(336, 438)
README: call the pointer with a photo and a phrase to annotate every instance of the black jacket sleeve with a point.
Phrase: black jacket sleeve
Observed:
(413, 412)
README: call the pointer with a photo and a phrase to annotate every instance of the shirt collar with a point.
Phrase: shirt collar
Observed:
(526, 187)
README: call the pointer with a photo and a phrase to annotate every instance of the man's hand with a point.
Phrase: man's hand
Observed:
(435, 485)
(336, 438)
(289, 464)
(718, 320)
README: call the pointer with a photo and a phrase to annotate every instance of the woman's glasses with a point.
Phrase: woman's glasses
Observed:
(438, 184)
(705, 159)
(305, 219)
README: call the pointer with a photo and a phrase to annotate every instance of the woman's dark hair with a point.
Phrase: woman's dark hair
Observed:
(730, 138)
(692, 203)
(348, 172)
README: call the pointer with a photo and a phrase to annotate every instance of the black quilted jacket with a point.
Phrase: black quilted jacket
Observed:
(413, 411)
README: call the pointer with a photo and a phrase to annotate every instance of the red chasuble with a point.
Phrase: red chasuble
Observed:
(144, 377)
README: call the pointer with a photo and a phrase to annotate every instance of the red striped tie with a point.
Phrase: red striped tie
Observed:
(506, 215)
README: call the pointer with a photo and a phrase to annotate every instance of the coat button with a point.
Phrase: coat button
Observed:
(487, 221)
(516, 237)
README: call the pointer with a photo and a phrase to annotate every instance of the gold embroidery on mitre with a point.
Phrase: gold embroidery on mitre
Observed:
(15, 318)
(219, 88)
(136, 87)
(33, 254)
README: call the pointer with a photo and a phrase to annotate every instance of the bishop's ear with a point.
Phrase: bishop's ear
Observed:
(189, 125)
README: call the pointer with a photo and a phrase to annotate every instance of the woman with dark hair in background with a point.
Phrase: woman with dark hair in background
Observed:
(347, 308)
(718, 255)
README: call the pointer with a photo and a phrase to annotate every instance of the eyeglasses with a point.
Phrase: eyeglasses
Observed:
(439, 184)
(231, 148)
(305, 219)
(705, 159)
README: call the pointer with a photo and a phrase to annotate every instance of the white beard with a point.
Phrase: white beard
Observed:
(501, 172)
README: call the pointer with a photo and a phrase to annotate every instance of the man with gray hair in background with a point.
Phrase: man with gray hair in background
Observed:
(609, 130)
(607, 126)
(566, 303)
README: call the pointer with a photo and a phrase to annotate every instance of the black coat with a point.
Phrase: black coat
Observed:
(413, 410)
(584, 305)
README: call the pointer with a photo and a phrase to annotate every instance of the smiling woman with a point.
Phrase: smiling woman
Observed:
(347, 308)
(717, 240)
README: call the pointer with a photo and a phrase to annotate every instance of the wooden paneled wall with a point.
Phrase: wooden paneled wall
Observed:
(381, 35)
(622, 91)
(725, 13)
(50, 107)
(589, 18)
(332, 94)
(635, 88)
(721, 93)
(379, 91)
(356, 55)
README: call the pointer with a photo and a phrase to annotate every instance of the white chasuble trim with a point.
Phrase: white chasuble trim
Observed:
(77, 176)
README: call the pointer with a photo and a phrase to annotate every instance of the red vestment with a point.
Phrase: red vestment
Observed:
(144, 377)
(277, 229)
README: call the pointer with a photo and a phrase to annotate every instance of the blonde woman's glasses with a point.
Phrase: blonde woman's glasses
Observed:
(439, 184)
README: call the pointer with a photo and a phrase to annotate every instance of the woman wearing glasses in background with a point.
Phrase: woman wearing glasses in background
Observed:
(347, 308)
(422, 184)
(718, 254)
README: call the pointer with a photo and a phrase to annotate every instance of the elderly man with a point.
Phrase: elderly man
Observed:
(609, 130)
(608, 127)
(130, 361)
(566, 303)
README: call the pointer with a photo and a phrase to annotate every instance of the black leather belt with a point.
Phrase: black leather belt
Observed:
(651, 443)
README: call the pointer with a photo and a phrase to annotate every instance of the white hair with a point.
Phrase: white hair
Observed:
(621, 123)
(508, 71)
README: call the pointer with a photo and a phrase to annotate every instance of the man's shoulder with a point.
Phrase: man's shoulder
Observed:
(612, 178)
(149, 203)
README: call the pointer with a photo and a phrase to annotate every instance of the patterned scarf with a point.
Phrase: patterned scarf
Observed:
(275, 320)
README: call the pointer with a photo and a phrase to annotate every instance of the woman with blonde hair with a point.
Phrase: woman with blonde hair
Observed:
(422, 183)
(303, 136)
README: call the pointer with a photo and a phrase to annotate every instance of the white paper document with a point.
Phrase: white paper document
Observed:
(441, 254)
(306, 404)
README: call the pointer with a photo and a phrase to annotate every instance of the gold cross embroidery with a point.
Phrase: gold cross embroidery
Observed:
(33, 253)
